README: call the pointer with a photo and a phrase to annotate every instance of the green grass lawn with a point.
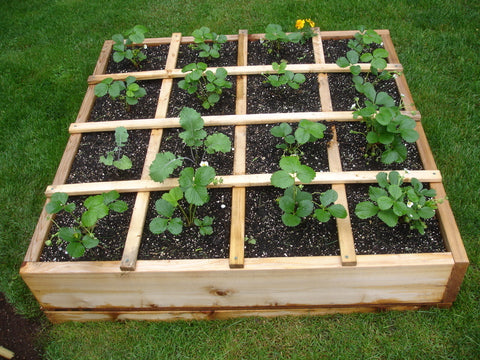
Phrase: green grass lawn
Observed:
(49, 48)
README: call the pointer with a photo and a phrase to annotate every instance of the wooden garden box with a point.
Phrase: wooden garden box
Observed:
(239, 286)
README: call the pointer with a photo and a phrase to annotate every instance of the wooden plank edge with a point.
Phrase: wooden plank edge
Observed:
(237, 229)
(247, 180)
(236, 70)
(102, 62)
(59, 316)
(220, 120)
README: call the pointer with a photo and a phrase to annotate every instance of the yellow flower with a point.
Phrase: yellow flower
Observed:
(310, 22)
(300, 24)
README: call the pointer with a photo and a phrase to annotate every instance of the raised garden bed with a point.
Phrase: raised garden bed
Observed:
(327, 272)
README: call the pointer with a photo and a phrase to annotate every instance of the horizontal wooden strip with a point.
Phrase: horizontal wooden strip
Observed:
(237, 70)
(219, 120)
(344, 177)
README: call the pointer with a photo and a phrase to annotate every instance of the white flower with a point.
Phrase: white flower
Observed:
(395, 76)
(409, 204)
(352, 107)
(203, 163)
(145, 46)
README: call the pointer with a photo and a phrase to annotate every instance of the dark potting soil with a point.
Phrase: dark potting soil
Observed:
(262, 156)
(259, 54)
(190, 244)
(221, 162)
(353, 149)
(335, 49)
(264, 225)
(111, 231)
(228, 56)
(86, 166)
(106, 109)
(372, 236)
(180, 98)
(156, 60)
(19, 335)
(264, 98)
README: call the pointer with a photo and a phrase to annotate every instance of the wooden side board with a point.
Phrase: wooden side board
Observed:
(268, 282)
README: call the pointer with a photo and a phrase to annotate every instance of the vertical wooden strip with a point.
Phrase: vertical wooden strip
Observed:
(237, 225)
(134, 236)
(453, 243)
(344, 226)
(102, 62)
(424, 149)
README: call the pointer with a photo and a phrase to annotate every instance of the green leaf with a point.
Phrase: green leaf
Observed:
(69, 234)
(395, 191)
(218, 142)
(352, 56)
(291, 220)
(282, 179)
(382, 179)
(173, 196)
(379, 63)
(394, 178)
(375, 192)
(338, 211)
(204, 175)
(57, 203)
(388, 217)
(90, 241)
(158, 225)
(305, 174)
(384, 202)
(343, 62)
(366, 209)
(315, 129)
(426, 212)
(390, 156)
(409, 135)
(75, 249)
(124, 163)
(163, 166)
(281, 130)
(196, 195)
(175, 226)
(399, 208)
(164, 208)
(119, 206)
(101, 89)
(328, 197)
(380, 53)
(322, 215)
(108, 161)
(287, 203)
(305, 208)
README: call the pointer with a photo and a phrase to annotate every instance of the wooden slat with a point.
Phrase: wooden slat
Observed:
(236, 70)
(453, 243)
(102, 62)
(346, 177)
(237, 225)
(424, 149)
(222, 120)
(344, 227)
(135, 230)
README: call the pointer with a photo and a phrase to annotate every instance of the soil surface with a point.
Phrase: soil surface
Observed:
(18, 334)
(156, 60)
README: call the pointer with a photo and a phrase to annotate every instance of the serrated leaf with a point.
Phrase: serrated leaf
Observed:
(322, 215)
(282, 179)
(119, 206)
(343, 62)
(158, 225)
(175, 226)
(204, 175)
(89, 241)
(366, 209)
(291, 220)
(218, 142)
(328, 197)
(69, 234)
(384, 202)
(163, 166)
(281, 130)
(338, 211)
(399, 208)
(305, 174)
(382, 179)
(426, 212)
(196, 195)
(124, 163)
(395, 191)
(305, 208)
(388, 217)
(287, 204)
(173, 196)
(75, 249)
